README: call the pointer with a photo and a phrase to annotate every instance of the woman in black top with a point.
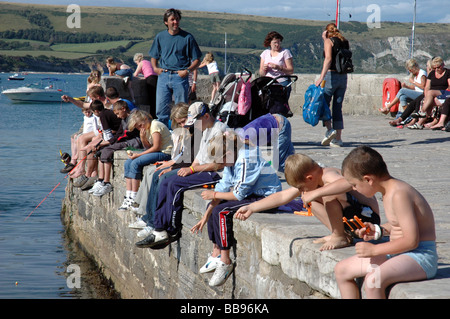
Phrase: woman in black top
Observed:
(335, 85)
(438, 82)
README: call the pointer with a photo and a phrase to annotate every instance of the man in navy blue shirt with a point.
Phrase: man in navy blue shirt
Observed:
(174, 54)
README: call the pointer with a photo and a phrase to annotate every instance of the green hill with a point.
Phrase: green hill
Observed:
(36, 38)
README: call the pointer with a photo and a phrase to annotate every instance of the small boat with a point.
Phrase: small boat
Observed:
(16, 77)
(40, 93)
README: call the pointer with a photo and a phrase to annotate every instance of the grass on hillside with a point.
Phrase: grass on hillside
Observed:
(37, 53)
(88, 47)
(245, 33)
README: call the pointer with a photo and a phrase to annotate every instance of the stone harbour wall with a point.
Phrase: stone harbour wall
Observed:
(275, 254)
(102, 230)
(363, 96)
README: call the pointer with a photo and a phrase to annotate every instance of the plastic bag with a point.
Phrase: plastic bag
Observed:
(315, 107)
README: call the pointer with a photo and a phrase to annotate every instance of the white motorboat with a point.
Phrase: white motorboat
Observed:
(40, 93)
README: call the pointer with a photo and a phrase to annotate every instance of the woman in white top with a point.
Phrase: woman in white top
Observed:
(409, 91)
(275, 60)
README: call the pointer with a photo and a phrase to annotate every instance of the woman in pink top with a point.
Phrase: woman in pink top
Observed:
(145, 67)
(275, 60)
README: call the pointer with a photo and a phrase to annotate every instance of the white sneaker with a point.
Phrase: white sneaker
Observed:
(96, 187)
(105, 189)
(211, 264)
(138, 224)
(336, 143)
(154, 239)
(134, 207)
(223, 271)
(147, 230)
(126, 204)
(160, 235)
(329, 135)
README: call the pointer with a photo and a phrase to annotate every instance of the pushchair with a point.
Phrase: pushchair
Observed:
(225, 102)
(269, 96)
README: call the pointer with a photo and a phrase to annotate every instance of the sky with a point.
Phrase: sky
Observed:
(427, 11)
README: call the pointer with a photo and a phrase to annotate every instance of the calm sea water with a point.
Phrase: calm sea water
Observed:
(35, 253)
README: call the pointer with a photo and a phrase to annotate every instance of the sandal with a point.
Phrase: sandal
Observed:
(419, 115)
(395, 123)
(383, 110)
(406, 121)
(416, 126)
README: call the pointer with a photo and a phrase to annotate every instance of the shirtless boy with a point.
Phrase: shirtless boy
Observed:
(331, 197)
(411, 252)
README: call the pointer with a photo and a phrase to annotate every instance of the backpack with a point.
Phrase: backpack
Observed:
(315, 107)
(343, 59)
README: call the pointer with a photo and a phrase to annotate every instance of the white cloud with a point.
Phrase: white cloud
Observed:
(446, 19)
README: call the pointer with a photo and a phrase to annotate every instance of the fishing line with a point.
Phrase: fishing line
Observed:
(325, 6)
(59, 130)
(59, 143)
(59, 134)
(82, 161)
(59, 124)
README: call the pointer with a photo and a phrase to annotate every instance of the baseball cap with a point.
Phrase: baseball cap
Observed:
(196, 110)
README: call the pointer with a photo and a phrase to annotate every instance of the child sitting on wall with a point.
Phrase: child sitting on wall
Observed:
(247, 177)
(122, 139)
(330, 196)
(410, 254)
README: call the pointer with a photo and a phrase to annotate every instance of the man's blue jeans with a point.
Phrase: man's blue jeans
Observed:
(170, 87)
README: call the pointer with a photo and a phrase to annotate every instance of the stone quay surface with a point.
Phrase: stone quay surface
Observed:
(275, 254)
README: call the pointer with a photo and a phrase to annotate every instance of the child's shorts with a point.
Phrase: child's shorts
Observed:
(214, 77)
(425, 255)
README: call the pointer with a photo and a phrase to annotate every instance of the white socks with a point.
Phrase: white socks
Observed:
(130, 194)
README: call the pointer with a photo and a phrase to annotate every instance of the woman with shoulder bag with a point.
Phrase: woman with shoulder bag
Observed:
(335, 84)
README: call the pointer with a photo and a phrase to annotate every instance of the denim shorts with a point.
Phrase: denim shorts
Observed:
(425, 255)
(444, 94)
(125, 72)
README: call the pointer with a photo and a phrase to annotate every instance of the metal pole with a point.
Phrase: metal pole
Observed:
(225, 66)
(338, 13)
(413, 31)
